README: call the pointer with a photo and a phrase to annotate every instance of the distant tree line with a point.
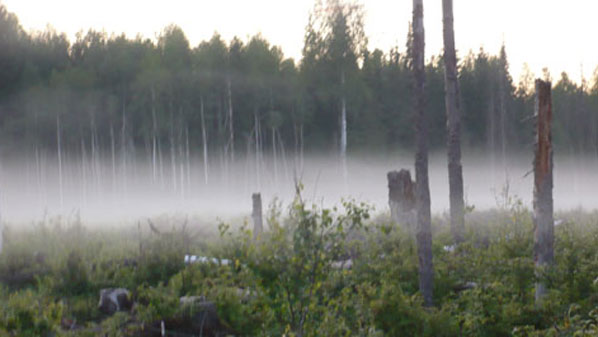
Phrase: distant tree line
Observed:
(120, 97)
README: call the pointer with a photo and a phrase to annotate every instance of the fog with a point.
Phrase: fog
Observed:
(105, 194)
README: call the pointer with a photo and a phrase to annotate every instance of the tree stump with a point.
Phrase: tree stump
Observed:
(258, 227)
(401, 199)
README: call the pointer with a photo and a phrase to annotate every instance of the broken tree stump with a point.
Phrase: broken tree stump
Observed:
(258, 227)
(401, 199)
(543, 203)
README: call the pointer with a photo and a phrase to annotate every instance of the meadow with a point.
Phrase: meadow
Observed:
(343, 271)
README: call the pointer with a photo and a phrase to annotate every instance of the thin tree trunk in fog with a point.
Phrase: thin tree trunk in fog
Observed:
(181, 156)
(424, 227)
(113, 150)
(231, 138)
(301, 145)
(154, 136)
(84, 170)
(492, 136)
(257, 150)
(543, 203)
(95, 156)
(188, 156)
(161, 163)
(172, 154)
(204, 139)
(284, 155)
(274, 155)
(343, 129)
(453, 125)
(124, 147)
(38, 171)
(59, 149)
(503, 122)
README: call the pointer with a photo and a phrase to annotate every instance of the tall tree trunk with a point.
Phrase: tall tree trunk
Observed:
(84, 169)
(257, 151)
(204, 139)
(283, 154)
(343, 148)
(424, 227)
(231, 137)
(543, 204)
(59, 149)
(172, 152)
(113, 152)
(124, 145)
(188, 157)
(453, 125)
(154, 136)
(274, 156)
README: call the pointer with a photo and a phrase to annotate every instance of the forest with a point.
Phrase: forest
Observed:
(108, 108)
(104, 93)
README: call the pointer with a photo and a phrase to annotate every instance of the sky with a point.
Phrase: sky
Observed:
(555, 34)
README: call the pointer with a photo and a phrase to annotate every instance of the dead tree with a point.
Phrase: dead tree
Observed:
(543, 203)
(257, 215)
(424, 222)
(453, 124)
(401, 199)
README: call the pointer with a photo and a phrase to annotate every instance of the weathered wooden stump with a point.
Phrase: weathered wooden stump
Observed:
(258, 227)
(401, 199)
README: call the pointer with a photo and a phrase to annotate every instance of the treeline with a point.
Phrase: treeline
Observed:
(111, 94)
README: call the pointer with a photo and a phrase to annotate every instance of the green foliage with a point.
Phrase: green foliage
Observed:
(288, 282)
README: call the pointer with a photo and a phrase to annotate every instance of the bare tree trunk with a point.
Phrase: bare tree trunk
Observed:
(343, 149)
(543, 204)
(188, 157)
(274, 156)
(231, 137)
(84, 170)
(301, 146)
(283, 154)
(401, 199)
(113, 150)
(204, 139)
(257, 150)
(257, 215)
(154, 136)
(453, 125)
(59, 149)
(172, 152)
(124, 147)
(424, 226)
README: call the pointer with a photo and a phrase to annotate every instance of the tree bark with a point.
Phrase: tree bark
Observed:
(257, 215)
(231, 137)
(113, 153)
(401, 199)
(154, 136)
(453, 125)
(543, 203)
(343, 149)
(424, 226)
(204, 139)
(59, 149)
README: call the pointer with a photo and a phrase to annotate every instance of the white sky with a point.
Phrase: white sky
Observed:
(556, 34)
